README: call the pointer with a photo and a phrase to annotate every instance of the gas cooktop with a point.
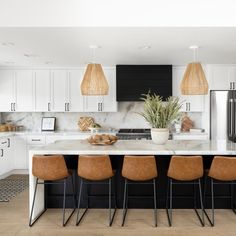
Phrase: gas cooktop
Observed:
(134, 131)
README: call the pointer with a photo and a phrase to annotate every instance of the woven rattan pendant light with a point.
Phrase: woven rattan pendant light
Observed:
(94, 81)
(194, 81)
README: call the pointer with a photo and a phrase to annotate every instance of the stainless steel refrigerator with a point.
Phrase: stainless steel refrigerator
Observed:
(223, 115)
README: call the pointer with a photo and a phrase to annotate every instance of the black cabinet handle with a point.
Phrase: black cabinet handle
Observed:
(14, 106)
(49, 108)
(4, 142)
(9, 142)
(11, 106)
(1, 152)
(101, 108)
(68, 106)
(35, 140)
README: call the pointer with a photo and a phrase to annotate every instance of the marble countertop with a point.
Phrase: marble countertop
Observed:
(59, 132)
(139, 147)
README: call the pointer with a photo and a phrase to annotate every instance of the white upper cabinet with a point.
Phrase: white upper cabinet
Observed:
(106, 103)
(75, 98)
(59, 90)
(56, 90)
(109, 103)
(7, 95)
(42, 84)
(222, 77)
(190, 103)
(24, 91)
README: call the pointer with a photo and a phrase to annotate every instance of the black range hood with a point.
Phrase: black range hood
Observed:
(134, 80)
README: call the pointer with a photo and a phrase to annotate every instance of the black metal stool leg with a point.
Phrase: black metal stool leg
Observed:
(204, 201)
(78, 220)
(232, 197)
(169, 202)
(32, 208)
(125, 203)
(155, 202)
(212, 203)
(64, 222)
(111, 216)
(201, 219)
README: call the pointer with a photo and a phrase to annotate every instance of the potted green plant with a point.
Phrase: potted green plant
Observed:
(160, 114)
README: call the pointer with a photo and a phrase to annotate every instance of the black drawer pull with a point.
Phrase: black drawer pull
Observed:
(35, 140)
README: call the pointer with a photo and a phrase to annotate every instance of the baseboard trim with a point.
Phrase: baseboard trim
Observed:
(14, 172)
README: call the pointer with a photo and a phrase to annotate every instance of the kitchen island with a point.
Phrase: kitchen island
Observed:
(72, 148)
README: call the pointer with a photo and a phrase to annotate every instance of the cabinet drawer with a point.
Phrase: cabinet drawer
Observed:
(36, 140)
(5, 142)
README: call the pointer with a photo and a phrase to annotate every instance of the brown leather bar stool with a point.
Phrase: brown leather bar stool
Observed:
(185, 170)
(52, 169)
(139, 170)
(95, 170)
(222, 171)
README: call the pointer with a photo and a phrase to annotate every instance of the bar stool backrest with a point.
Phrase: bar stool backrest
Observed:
(185, 168)
(49, 167)
(139, 168)
(223, 168)
(95, 168)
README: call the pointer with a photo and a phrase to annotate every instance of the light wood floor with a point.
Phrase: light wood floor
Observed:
(14, 221)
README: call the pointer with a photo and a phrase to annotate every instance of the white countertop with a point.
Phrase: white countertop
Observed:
(59, 132)
(139, 147)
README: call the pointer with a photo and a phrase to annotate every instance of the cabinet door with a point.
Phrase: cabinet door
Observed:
(24, 91)
(106, 103)
(59, 90)
(75, 98)
(190, 103)
(92, 103)
(20, 153)
(109, 101)
(6, 156)
(220, 77)
(7, 97)
(232, 78)
(42, 90)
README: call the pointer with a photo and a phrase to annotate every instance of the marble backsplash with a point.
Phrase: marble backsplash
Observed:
(126, 117)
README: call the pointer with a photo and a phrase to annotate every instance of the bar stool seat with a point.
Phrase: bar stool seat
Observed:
(91, 170)
(222, 171)
(185, 170)
(139, 169)
(51, 168)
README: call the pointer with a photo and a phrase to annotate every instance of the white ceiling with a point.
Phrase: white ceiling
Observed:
(70, 46)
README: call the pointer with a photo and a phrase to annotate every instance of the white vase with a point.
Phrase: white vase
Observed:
(160, 136)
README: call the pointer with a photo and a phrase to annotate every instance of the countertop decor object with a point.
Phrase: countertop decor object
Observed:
(160, 115)
(102, 139)
(194, 81)
(48, 123)
(85, 122)
(187, 124)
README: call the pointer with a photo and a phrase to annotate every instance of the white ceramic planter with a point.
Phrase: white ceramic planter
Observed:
(159, 136)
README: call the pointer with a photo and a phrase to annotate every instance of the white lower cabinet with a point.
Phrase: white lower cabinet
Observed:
(6, 156)
(20, 152)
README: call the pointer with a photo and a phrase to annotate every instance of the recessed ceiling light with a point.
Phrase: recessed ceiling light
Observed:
(48, 62)
(8, 44)
(9, 62)
(94, 46)
(193, 47)
(144, 47)
(32, 55)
